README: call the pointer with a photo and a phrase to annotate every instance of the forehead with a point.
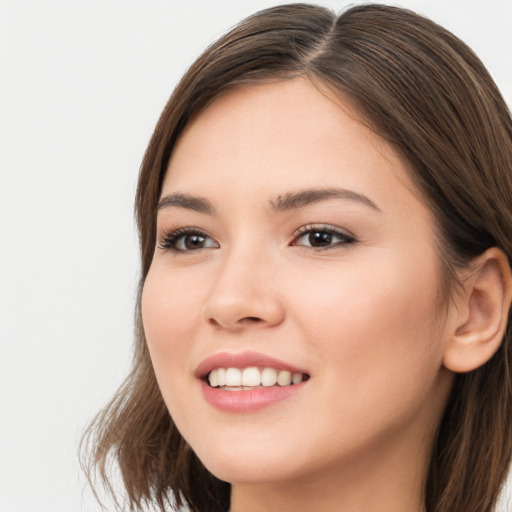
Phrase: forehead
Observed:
(267, 139)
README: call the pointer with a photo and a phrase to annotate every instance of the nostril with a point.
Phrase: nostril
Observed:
(250, 319)
(213, 322)
(244, 321)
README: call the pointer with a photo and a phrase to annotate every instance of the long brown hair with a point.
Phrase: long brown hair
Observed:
(426, 93)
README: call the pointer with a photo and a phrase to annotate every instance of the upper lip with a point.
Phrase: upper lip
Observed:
(242, 360)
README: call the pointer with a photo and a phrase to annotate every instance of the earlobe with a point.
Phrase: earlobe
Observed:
(480, 317)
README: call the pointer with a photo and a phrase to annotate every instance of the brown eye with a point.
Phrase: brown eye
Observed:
(191, 242)
(187, 241)
(323, 238)
(319, 238)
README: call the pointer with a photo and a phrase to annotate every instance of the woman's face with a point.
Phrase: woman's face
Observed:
(292, 244)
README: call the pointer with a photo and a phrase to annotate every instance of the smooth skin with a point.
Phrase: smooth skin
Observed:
(344, 284)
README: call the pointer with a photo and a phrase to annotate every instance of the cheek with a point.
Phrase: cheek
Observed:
(378, 352)
(171, 315)
(374, 322)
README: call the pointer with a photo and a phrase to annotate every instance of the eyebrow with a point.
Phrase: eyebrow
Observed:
(303, 198)
(198, 204)
(290, 201)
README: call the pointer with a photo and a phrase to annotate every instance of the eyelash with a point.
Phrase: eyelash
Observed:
(346, 239)
(171, 240)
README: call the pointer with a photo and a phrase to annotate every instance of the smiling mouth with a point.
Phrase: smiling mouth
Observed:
(245, 379)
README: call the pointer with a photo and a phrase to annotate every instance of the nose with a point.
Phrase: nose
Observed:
(244, 295)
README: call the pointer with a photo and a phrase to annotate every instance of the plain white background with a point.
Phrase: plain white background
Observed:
(82, 84)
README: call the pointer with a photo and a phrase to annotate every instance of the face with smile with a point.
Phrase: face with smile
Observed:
(293, 245)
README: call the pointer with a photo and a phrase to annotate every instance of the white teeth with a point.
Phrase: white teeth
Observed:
(296, 378)
(212, 379)
(284, 378)
(252, 377)
(233, 377)
(221, 376)
(268, 377)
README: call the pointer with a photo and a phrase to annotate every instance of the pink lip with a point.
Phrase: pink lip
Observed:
(242, 360)
(248, 400)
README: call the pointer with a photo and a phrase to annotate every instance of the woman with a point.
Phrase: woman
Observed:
(325, 219)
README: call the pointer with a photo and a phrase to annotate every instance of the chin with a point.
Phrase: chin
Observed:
(252, 471)
(252, 463)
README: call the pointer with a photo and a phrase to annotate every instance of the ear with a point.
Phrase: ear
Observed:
(479, 318)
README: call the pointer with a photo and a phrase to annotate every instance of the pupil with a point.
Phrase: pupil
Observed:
(194, 241)
(320, 238)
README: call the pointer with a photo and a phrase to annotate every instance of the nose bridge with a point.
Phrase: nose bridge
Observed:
(243, 292)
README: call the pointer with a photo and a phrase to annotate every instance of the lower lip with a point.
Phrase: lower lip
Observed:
(250, 400)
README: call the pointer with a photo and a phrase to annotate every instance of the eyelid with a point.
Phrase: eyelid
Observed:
(348, 237)
(170, 238)
(323, 227)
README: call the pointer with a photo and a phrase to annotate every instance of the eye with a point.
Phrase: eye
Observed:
(187, 240)
(322, 237)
